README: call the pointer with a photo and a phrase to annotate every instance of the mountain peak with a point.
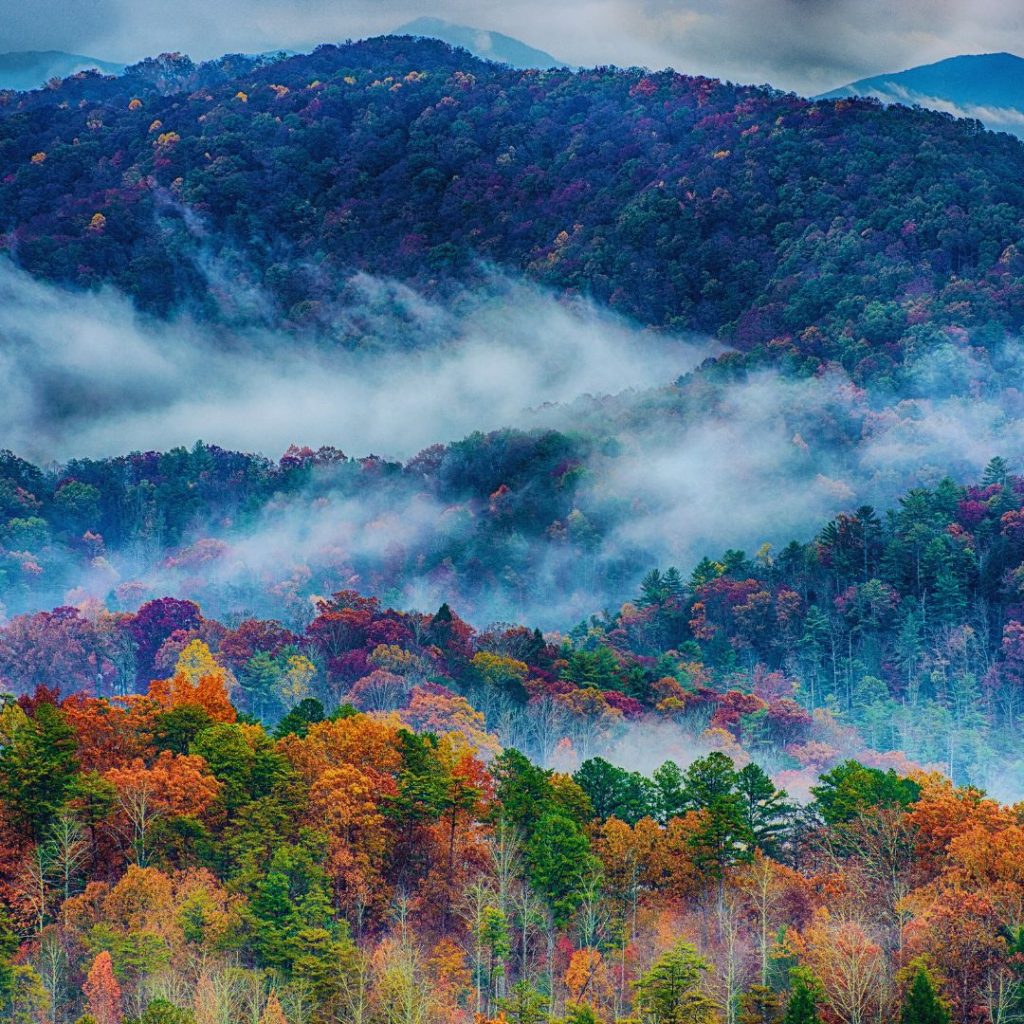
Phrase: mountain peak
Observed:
(985, 86)
(31, 69)
(481, 43)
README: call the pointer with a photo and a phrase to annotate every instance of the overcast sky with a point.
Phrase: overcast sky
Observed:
(805, 45)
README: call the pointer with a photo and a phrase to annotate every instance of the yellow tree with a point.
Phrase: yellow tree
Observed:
(198, 679)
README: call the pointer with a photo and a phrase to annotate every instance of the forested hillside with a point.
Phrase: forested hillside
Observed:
(896, 634)
(803, 231)
(469, 732)
(379, 856)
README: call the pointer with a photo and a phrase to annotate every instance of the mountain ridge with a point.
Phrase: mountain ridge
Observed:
(987, 86)
(683, 203)
(31, 69)
(483, 43)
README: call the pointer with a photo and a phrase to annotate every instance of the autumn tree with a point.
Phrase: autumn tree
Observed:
(102, 991)
(175, 784)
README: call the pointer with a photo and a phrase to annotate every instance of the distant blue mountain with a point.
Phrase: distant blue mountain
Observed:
(30, 69)
(482, 43)
(987, 86)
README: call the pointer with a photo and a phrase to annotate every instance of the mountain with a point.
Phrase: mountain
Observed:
(31, 69)
(802, 233)
(987, 86)
(481, 42)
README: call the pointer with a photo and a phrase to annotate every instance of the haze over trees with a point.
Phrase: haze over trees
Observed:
(800, 231)
(441, 740)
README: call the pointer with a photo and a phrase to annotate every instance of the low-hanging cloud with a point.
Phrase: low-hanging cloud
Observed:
(765, 458)
(84, 375)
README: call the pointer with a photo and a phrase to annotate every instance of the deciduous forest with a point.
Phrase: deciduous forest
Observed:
(698, 702)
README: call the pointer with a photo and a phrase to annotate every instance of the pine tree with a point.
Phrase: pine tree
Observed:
(671, 795)
(996, 471)
(760, 1005)
(672, 582)
(652, 589)
(524, 1005)
(37, 764)
(802, 1007)
(670, 992)
(766, 812)
(921, 1004)
(8, 947)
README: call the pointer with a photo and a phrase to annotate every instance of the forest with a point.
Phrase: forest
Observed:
(802, 232)
(379, 815)
(697, 702)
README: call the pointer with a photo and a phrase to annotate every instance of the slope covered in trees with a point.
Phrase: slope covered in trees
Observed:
(884, 637)
(239, 785)
(168, 858)
(803, 231)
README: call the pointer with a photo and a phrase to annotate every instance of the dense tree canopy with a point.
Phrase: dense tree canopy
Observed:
(803, 231)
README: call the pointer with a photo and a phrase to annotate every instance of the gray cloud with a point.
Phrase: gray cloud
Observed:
(116, 380)
(806, 45)
(765, 459)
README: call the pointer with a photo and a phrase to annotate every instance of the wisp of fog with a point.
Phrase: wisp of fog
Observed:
(85, 375)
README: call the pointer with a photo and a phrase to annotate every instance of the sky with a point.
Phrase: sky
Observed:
(808, 46)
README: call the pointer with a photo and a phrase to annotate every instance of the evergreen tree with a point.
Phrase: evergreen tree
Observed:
(524, 1005)
(996, 472)
(306, 713)
(802, 1007)
(582, 1014)
(37, 764)
(558, 857)
(724, 838)
(766, 812)
(616, 792)
(652, 589)
(921, 1004)
(760, 1005)
(523, 790)
(670, 992)
(162, 1011)
(672, 583)
(8, 947)
(671, 791)
(850, 788)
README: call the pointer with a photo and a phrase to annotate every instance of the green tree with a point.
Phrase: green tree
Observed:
(922, 1004)
(244, 761)
(306, 713)
(558, 858)
(163, 1011)
(724, 838)
(581, 1014)
(802, 1007)
(766, 811)
(670, 992)
(851, 788)
(760, 1004)
(671, 791)
(616, 792)
(524, 1005)
(175, 730)
(37, 765)
(289, 911)
(523, 790)
(8, 947)
(996, 472)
